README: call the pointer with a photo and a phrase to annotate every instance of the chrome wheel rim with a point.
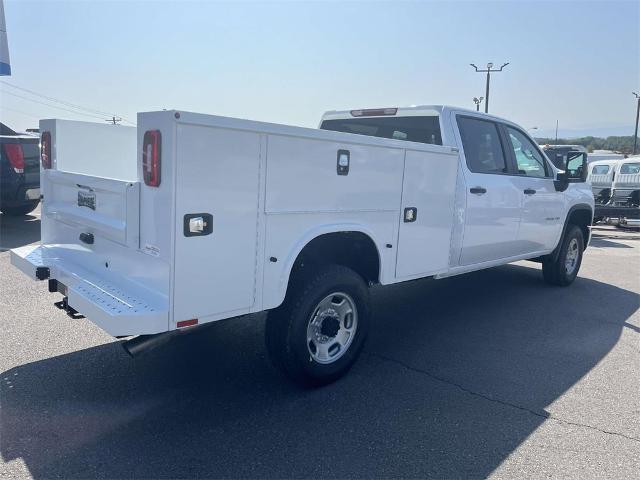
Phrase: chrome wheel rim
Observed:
(332, 327)
(573, 253)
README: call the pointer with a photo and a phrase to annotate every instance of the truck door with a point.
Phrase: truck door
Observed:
(542, 205)
(494, 201)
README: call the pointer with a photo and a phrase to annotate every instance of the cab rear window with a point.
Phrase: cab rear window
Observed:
(422, 129)
(630, 168)
(600, 169)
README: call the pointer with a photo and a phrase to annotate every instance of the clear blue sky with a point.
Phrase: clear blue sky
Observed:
(287, 62)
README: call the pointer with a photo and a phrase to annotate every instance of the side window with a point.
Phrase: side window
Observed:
(529, 160)
(482, 146)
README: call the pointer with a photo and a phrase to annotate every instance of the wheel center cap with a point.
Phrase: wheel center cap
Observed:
(330, 326)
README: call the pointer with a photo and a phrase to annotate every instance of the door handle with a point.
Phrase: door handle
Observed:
(478, 190)
(529, 191)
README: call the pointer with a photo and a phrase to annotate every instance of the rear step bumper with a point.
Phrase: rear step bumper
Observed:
(115, 305)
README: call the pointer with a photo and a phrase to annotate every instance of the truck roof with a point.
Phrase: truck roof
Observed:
(413, 110)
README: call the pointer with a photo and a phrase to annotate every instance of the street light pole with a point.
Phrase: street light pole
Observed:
(488, 72)
(635, 135)
(477, 101)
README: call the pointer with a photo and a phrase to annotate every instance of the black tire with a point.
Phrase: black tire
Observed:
(20, 210)
(287, 326)
(558, 272)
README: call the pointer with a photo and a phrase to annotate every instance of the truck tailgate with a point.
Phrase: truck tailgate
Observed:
(90, 231)
(98, 206)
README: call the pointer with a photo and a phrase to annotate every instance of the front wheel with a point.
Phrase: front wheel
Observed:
(564, 269)
(318, 332)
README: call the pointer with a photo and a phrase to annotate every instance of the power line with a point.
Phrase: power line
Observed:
(68, 104)
(4, 107)
(63, 102)
(53, 106)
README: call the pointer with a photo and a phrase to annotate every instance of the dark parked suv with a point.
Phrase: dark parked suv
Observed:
(19, 172)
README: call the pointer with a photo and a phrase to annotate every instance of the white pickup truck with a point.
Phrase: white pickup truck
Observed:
(211, 218)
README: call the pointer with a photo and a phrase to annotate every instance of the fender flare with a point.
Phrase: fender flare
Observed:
(311, 235)
(579, 206)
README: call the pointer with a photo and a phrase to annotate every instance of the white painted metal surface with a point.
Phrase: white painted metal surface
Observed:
(270, 190)
(221, 178)
(601, 173)
(93, 149)
(627, 175)
(429, 186)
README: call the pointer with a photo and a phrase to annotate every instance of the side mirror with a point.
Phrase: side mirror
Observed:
(576, 167)
(561, 182)
(575, 170)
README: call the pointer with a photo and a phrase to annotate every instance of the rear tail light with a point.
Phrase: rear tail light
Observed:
(45, 150)
(15, 155)
(151, 158)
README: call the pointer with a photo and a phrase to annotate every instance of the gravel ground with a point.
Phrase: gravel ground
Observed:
(488, 374)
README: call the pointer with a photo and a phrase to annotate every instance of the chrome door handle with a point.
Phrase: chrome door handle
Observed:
(529, 191)
(478, 190)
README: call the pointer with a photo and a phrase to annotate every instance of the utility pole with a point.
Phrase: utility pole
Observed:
(114, 120)
(477, 101)
(635, 135)
(488, 72)
(556, 132)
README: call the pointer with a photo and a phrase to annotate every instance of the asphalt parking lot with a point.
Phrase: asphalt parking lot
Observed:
(488, 374)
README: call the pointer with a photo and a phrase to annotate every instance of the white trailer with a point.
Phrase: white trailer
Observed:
(211, 218)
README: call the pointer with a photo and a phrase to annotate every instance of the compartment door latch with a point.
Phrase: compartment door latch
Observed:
(198, 224)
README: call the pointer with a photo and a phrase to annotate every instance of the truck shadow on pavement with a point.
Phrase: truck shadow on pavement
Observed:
(18, 231)
(456, 375)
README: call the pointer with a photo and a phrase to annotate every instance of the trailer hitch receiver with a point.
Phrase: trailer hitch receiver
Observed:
(71, 312)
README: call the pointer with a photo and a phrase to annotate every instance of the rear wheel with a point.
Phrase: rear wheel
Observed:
(319, 331)
(564, 269)
(20, 210)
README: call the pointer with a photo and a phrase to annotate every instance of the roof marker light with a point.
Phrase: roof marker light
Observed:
(374, 112)
(187, 323)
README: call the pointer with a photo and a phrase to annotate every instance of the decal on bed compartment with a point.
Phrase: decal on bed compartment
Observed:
(151, 250)
(87, 199)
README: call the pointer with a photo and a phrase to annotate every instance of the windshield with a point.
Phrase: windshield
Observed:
(423, 129)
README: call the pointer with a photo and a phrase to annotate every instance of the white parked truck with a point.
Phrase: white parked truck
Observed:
(600, 176)
(621, 199)
(211, 218)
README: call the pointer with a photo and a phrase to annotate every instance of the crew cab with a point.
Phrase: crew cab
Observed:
(19, 172)
(191, 218)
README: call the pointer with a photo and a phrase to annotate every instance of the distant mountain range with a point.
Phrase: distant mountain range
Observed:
(602, 132)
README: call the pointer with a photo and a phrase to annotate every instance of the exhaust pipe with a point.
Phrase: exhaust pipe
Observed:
(144, 343)
(631, 222)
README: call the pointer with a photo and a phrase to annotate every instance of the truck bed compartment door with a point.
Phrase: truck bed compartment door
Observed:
(426, 222)
(216, 221)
